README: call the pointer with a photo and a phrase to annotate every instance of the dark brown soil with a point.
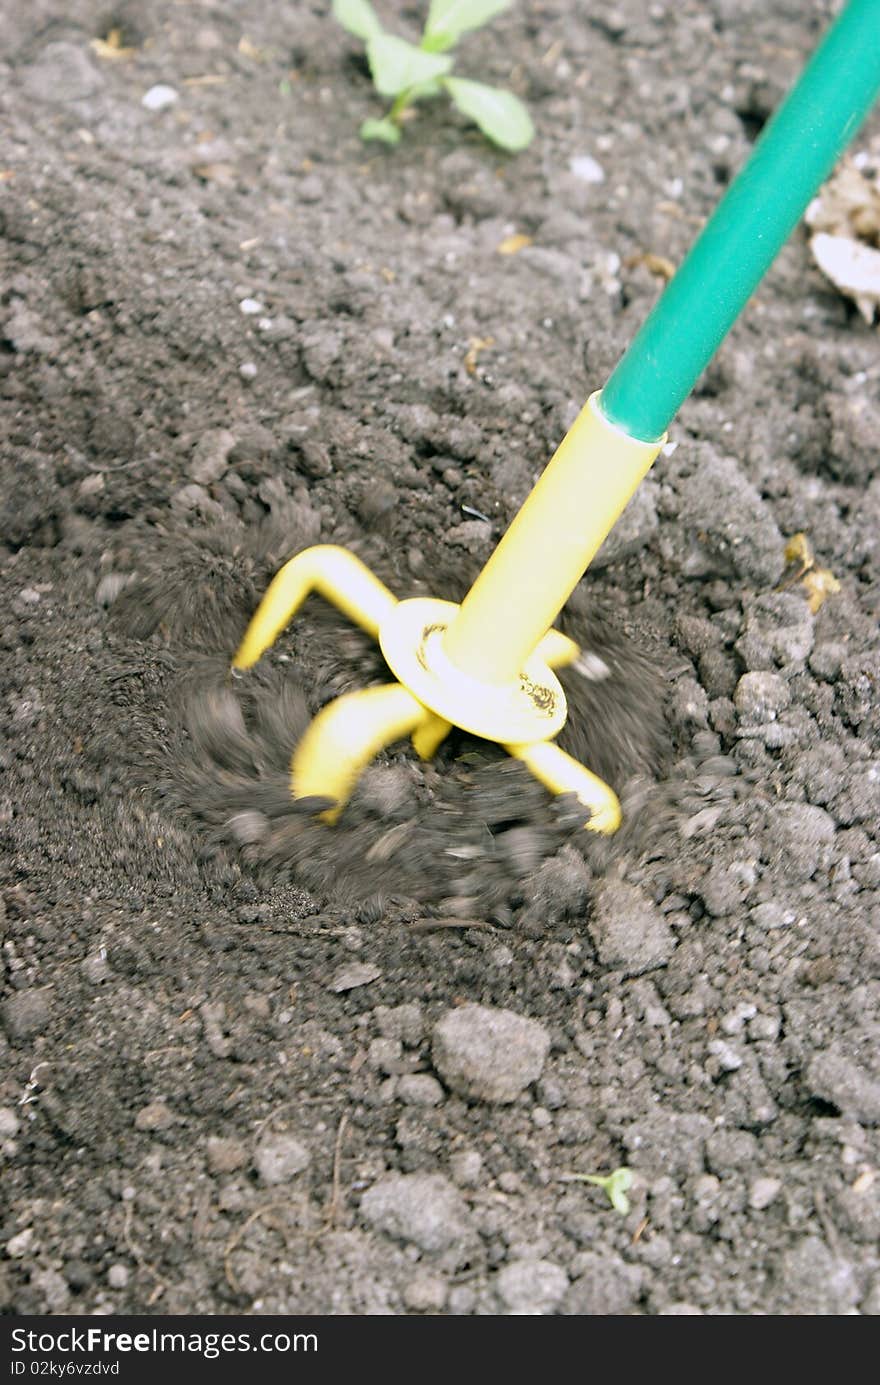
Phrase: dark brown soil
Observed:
(218, 1036)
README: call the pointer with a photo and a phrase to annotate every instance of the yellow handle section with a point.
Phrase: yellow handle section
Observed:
(332, 572)
(561, 773)
(578, 499)
(345, 736)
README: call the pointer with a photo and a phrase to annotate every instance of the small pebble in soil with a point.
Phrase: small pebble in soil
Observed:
(422, 1208)
(154, 1116)
(225, 1154)
(487, 1054)
(763, 1191)
(772, 914)
(354, 974)
(96, 968)
(9, 1123)
(587, 169)
(419, 1089)
(159, 97)
(117, 1276)
(20, 1244)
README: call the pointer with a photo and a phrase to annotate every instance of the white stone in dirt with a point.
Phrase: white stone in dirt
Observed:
(278, 1158)
(628, 930)
(159, 97)
(835, 1077)
(20, 1244)
(117, 1276)
(763, 1191)
(9, 1123)
(353, 974)
(587, 169)
(772, 914)
(422, 1208)
(531, 1288)
(251, 306)
(420, 1089)
(487, 1054)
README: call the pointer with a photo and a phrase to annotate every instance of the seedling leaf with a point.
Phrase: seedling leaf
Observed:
(500, 115)
(385, 130)
(358, 17)
(616, 1186)
(449, 19)
(397, 65)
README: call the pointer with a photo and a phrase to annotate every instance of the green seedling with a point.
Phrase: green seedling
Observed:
(616, 1185)
(404, 72)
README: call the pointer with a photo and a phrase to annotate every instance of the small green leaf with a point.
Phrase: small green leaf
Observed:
(358, 17)
(385, 130)
(615, 1185)
(619, 1185)
(397, 65)
(449, 19)
(501, 116)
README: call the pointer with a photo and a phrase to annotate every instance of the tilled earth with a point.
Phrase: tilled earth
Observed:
(250, 1063)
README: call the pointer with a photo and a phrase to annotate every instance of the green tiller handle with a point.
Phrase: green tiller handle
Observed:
(794, 155)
